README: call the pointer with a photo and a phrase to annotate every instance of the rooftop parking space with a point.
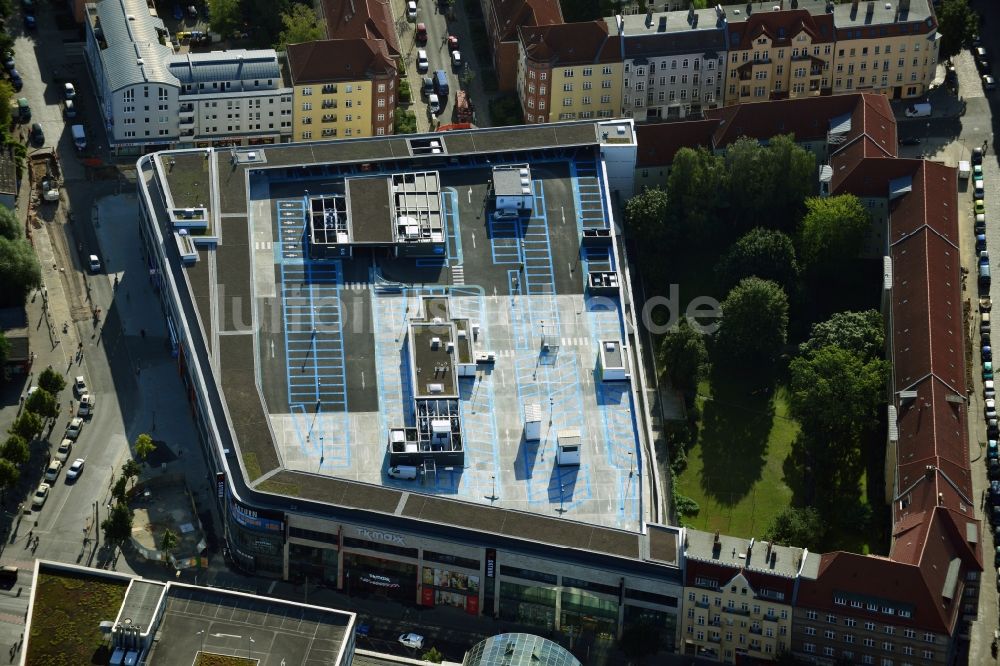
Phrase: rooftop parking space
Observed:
(348, 375)
(339, 355)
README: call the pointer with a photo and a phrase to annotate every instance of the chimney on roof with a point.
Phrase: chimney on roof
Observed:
(940, 499)
(829, 7)
(749, 8)
(929, 471)
(691, 16)
(649, 17)
(904, 6)
(870, 11)
(795, 4)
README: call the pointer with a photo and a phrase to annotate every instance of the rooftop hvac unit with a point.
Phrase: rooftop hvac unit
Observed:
(440, 426)
(523, 172)
(435, 343)
(412, 231)
(435, 388)
(609, 346)
(450, 346)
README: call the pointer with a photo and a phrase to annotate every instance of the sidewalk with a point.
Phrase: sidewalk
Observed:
(160, 406)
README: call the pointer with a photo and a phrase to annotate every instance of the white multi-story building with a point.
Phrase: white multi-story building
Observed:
(674, 62)
(152, 98)
(232, 98)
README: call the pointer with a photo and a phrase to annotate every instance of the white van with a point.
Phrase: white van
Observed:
(406, 472)
(919, 110)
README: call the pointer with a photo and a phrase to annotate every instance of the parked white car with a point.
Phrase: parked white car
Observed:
(415, 641)
(411, 10)
(422, 63)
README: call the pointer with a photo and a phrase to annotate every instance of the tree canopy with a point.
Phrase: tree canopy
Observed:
(10, 227)
(957, 23)
(51, 381)
(117, 526)
(19, 270)
(301, 25)
(43, 403)
(15, 449)
(698, 190)
(802, 527)
(6, 97)
(833, 232)
(28, 426)
(646, 216)
(9, 475)
(859, 332)
(4, 348)
(225, 16)
(683, 356)
(144, 446)
(764, 253)
(835, 393)
(754, 325)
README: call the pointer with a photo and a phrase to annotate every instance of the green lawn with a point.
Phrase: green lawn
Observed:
(65, 624)
(735, 470)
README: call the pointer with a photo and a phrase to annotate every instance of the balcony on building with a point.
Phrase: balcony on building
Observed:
(329, 104)
(187, 132)
(329, 89)
(187, 107)
(330, 118)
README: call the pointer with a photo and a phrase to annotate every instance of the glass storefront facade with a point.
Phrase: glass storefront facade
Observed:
(367, 576)
(256, 538)
(444, 587)
(530, 605)
(663, 622)
(584, 612)
(316, 564)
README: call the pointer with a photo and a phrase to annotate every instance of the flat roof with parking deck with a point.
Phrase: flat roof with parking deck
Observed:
(343, 355)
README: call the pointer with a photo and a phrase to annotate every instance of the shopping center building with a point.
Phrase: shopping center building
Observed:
(415, 366)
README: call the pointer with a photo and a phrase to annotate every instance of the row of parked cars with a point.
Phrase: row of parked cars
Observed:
(982, 59)
(85, 409)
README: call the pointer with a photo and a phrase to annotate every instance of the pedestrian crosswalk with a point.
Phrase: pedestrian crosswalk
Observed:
(457, 275)
(563, 343)
(263, 245)
(355, 286)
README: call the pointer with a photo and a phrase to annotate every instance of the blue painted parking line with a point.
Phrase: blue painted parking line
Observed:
(505, 240)
(314, 343)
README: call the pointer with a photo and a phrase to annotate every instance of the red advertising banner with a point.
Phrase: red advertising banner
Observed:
(472, 605)
(427, 596)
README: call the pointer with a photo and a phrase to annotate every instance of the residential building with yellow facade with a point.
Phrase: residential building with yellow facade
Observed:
(569, 71)
(890, 48)
(676, 64)
(785, 54)
(738, 596)
(342, 88)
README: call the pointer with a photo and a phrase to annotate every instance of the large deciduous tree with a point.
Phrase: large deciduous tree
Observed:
(301, 25)
(43, 403)
(862, 333)
(15, 449)
(794, 526)
(957, 23)
(9, 476)
(698, 190)
(117, 526)
(28, 425)
(51, 381)
(19, 271)
(754, 325)
(646, 216)
(833, 232)
(764, 253)
(683, 356)
(225, 16)
(834, 396)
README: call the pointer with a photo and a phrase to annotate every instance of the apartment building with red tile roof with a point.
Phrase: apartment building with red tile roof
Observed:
(503, 18)
(362, 19)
